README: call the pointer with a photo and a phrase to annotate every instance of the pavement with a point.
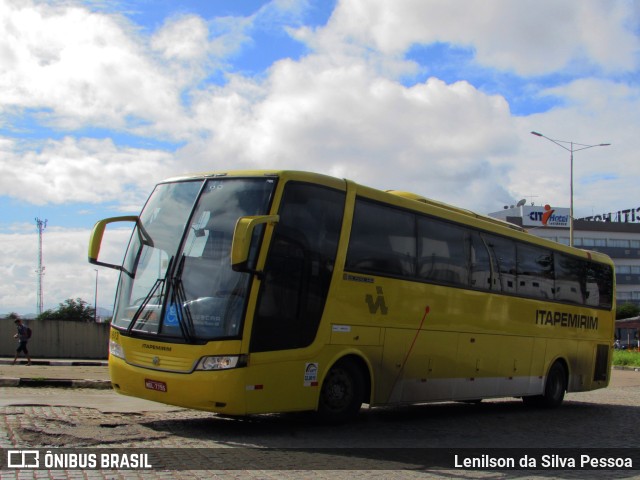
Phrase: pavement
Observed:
(47, 382)
(75, 373)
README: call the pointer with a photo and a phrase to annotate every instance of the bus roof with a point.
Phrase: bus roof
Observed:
(462, 211)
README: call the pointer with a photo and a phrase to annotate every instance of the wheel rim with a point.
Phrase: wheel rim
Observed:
(338, 392)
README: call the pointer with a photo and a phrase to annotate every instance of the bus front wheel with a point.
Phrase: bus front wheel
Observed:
(554, 388)
(342, 393)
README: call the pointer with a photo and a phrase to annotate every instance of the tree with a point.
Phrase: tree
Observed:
(75, 310)
(627, 310)
(13, 316)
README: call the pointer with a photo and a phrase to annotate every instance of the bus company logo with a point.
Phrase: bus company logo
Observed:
(566, 320)
(377, 303)
(151, 346)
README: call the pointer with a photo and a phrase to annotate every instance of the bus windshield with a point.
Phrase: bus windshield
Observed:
(177, 279)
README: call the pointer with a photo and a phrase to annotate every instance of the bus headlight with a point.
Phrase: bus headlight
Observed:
(116, 349)
(222, 362)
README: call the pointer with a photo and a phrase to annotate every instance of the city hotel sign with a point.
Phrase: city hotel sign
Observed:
(630, 215)
(539, 216)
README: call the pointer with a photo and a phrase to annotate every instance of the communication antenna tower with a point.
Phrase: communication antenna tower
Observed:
(41, 225)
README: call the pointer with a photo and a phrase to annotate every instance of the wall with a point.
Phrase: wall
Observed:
(58, 339)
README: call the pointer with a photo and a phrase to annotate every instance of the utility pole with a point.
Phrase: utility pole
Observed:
(95, 299)
(41, 225)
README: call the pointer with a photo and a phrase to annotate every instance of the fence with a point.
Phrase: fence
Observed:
(58, 339)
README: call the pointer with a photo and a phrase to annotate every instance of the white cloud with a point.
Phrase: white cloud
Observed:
(67, 271)
(74, 68)
(182, 39)
(346, 119)
(527, 36)
(81, 170)
(192, 47)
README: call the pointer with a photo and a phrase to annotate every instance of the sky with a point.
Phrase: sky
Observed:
(100, 100)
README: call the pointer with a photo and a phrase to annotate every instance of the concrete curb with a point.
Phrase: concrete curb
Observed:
(59, 363)
(40, 379)
(55, 382)
(626, 367)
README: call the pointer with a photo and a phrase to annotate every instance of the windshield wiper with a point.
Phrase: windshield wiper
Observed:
(159, 283)
(179, 299)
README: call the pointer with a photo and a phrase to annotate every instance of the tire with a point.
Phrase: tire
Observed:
(342, 393)
(554, 389)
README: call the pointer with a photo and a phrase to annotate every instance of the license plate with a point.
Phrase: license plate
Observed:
(155, 385)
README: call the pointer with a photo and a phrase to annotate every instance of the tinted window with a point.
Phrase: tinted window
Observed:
(480, 264)
(535, 271)
(443, 252)
(383, 240)
(503, 254)
(599, 285)
(570, 280)
(389, 241)
(299, 267)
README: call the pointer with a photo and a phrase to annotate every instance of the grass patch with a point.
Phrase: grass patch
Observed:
(628, 358)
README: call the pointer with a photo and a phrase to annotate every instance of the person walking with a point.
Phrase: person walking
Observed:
(23, 338)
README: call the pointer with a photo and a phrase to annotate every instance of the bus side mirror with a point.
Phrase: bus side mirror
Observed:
(95, 241)
(242, 239)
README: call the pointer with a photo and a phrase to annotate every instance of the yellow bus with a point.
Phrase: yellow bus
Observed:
(275, 291)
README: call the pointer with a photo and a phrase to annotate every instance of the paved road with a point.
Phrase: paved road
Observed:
(49, 417)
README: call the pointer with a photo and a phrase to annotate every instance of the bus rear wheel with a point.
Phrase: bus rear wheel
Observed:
(554, 388)
(342, 393)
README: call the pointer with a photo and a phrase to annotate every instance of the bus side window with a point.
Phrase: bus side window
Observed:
(535, 272)
(599, 285)
(383, 240)
(480, 264)
(443, 252)
(299, 266)
(503, 254)
(570, 284)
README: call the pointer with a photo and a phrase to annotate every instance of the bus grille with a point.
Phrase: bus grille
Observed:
(161, 362)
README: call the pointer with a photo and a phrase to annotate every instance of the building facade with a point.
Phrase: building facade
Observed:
(616, 234)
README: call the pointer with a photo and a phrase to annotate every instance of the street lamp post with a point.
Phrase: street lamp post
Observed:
(95, 299)
(571, 148)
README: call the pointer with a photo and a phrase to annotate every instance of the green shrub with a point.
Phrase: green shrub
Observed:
(629, 358)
